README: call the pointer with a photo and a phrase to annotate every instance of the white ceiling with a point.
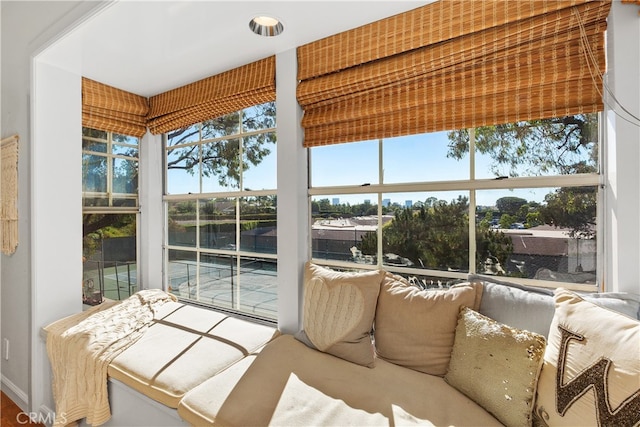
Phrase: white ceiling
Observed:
(148, 47)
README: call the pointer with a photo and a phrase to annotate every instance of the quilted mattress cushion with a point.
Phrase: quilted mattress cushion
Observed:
(185, 346)
(288, 383)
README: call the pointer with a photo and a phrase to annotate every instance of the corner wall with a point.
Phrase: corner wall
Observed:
(25, 28)
(622, 156)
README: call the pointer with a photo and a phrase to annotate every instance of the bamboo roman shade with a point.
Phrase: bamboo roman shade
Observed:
(453, 64)
(110, 109)
(214, 96)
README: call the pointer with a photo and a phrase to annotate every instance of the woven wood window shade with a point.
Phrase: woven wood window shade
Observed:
(453, 64)
(114, 110)
(214, 96)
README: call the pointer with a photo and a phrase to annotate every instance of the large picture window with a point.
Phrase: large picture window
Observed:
(517, 200)
(220, 202)
(110, 215)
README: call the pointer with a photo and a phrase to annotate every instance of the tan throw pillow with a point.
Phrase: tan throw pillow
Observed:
(496, 366)
(338, 312)
(591, 370)
(415, 328)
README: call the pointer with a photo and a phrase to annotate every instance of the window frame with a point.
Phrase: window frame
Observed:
(110, 209)
(198, 198)
(472, 185)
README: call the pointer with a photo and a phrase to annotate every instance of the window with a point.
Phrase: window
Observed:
(517, 200)
(110, 215)
(220, 201)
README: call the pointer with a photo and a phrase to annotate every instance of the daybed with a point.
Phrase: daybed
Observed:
(480, 353)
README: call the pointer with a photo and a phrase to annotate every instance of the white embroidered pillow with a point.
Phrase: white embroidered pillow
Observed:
(338, 310)
(591, 369)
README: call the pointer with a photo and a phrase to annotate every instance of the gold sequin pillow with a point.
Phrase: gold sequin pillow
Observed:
(496, 366)
(591, 369)
(338, 311)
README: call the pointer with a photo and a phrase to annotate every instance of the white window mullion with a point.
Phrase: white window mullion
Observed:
(472, 202)
(380, 249)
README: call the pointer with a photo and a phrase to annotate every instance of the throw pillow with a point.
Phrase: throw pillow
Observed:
(591, 369)
(496, 366)
(338, 310)
(415, 328)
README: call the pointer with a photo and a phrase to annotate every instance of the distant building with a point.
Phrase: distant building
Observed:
(408, 203)
(386, 202)
(335, 201)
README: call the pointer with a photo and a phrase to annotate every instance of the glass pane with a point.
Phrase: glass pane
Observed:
(218, 280)
(220, 166)
(124, 139)
(430, 281)
(258, 224)
(259, 154)
(125, 202)
(182, 223)
(345, 164)
(258, 293)
(556, 146)
(94, 133)
(430, 230)
(125, 176)
(182, 273)
(221, 126)
(184, 135)
(183, 171)
(259, 117)
(248, 286)
(420, 158)
(109, 256)
(124, 150)
(543, 233)
(340, 223)
(95, 146)
(94, 173)
(218, 224)
(95, 201)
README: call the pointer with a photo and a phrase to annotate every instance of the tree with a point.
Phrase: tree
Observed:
(506, 220)
(574, 208)
(561, 145)
(221, 159)
(437, 236)
(510, 205)
(96, 227)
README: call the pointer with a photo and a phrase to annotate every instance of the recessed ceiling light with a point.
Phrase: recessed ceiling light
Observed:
(266, 26)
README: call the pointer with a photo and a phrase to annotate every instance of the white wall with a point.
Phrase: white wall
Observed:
(56, 220)
(622, 167)
(293, 204)
(25, 26)
(54, 274)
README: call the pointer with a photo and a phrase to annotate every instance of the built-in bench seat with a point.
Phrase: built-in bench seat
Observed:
(204, 367)
(288, 383)
(189, 345)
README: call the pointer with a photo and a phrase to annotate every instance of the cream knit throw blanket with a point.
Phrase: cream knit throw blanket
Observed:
(81, 346)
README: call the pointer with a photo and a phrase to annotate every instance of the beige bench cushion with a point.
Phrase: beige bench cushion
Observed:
(186, 346)
(288, 384)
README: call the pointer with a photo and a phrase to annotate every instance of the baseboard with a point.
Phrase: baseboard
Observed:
(14, 392)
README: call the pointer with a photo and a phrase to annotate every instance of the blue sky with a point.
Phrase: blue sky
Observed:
(413, 158)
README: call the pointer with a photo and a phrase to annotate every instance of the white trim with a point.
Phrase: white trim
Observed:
(16, 394)
(578, 180)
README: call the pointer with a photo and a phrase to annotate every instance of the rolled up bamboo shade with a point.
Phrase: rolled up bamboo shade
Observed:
(114, 110)
(453, 64)
(214, 96)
